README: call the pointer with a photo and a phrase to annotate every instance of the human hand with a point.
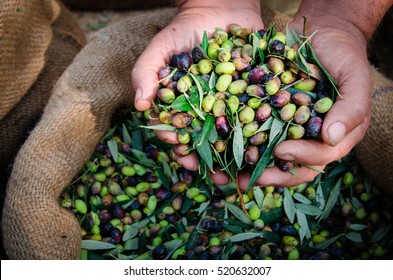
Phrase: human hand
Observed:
(184, 33)
(341, 48)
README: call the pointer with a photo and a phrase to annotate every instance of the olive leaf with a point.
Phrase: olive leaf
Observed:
(238, 148)
(243, 236)
(212, 81)
(272, 215)
(137, 142)
(263, 162)
(199, 87)
(142, 158)
(205, 42)
(180, 104)
(96, 245)
(165, 127)
(289, 205)
(331, 200)
(314, 168)
(126, 135)
(304, 230)
(204, 152)
(326, 243)
(207, 127)
(191, 100)
(275, 129)
(290, 37)
(258, 196)
(301, 198)
(357, 227)
(308, 209)
(112, 145)
(355, 237)
(266, 125)
(380, 234)
(238, 213)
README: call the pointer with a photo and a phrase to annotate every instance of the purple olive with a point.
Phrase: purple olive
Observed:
(314, 127)
(196, 54)
(222, 127)
(159, 252)
(184, 60)
(277, 46)
(256, 75)
(118, 211)
(280, 99)
(263, 113)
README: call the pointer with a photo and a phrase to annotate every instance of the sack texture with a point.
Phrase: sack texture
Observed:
(375, 151)
(98, 5)
(40, 38)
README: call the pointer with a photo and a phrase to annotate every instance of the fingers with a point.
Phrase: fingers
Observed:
(273, 176)
(189, 162)
(354, 78)
(219, 178)
(166, 136)
(315, 152)
(145, 73)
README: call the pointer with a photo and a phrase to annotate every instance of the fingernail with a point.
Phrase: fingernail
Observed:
(336, 132)
(138, 94)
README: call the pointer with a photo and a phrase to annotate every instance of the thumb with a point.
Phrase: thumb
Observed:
(145, 74)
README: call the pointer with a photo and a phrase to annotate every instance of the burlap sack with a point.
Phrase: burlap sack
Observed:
(39, 39)
(76, 117)
(375, 151)
(98, 5)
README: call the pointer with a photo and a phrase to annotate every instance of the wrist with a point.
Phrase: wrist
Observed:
(364, 15)
(233, 4)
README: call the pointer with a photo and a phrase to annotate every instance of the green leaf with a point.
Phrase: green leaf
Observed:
(204, 152)
(289, 205)
(355, 237)
(96, 245)
(193, 240)
(357, 227)
(261, 55)
(126, 135)
(263, 162)
(165, 127)
(276, 129)
(243, 236)
(304, 230)
(380, 234)
(142, 158)
(180, 104)
(301, 198)
(191, 101)
(238, 148)
(212, 136)
(238, 213)
(137, 142)
(205, 42)
(295, 90)
(326, 243)
(266, 125)
(212, 81)
(255, 45)
(172, 246)
(308, 209)
(290, 37)
(112, 145)
(130, 233)
(331, 200)
(272, 215)
(271, 236)
(131, 244)
(167, 169)
(200, 89)
(207, 127)
(314, 168)
(258, 196)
